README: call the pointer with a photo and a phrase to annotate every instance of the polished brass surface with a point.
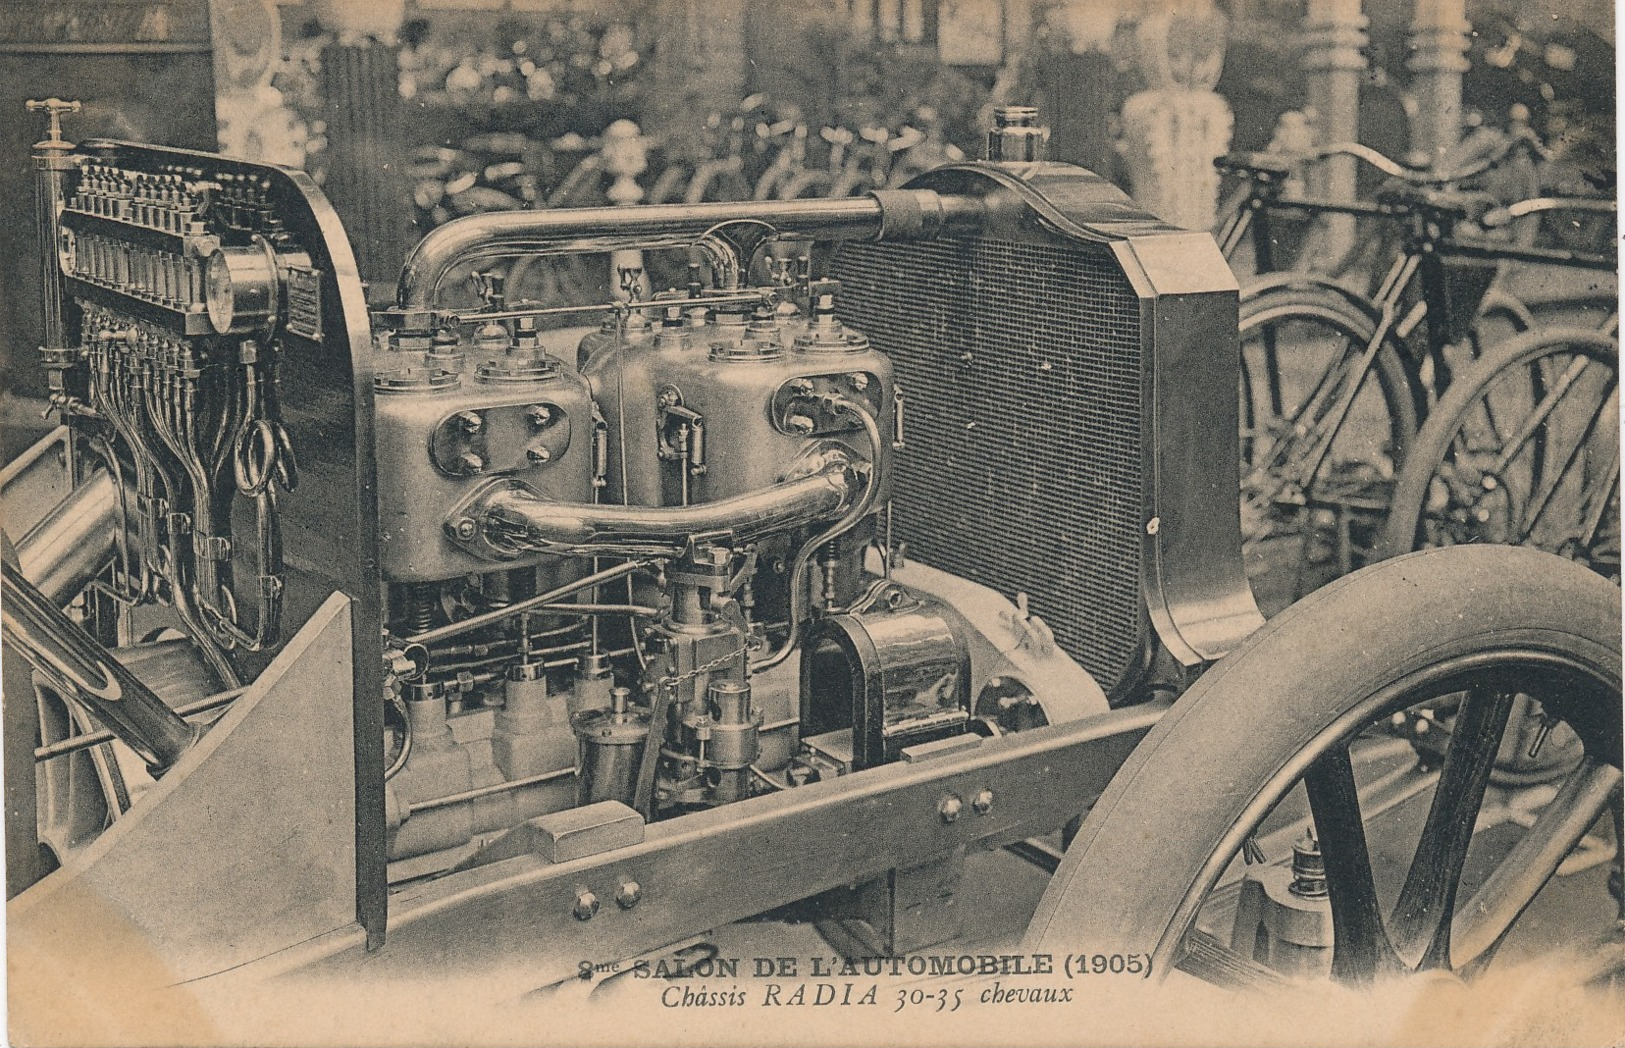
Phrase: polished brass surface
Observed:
(894, 667)
(438, 446)
(665, 225)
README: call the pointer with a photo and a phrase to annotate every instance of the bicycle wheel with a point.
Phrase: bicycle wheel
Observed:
(1319, 450)
(1381, 740)
(1523, 450)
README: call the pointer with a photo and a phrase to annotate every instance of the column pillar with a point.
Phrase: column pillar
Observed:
(1438, 59)
(360, 97)
(365, 178)
(1333, 36)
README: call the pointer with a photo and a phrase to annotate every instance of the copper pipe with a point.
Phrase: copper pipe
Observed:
(905, 212)
(516, 519)
(640, 610)
(487, 791)
(79, 668)
(803, 558)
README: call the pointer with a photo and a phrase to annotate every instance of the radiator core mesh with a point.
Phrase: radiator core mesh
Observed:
(1022, 368)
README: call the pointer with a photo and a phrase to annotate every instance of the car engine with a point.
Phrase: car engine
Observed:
(879, 480)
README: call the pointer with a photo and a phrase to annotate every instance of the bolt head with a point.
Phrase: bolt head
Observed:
(471, 462)
(629, 894)
(466, 528)
(950, 808)
(586, 905)
(982, 803)
(538, 454)
(859, 381)
(799, 424)
(540, 416)
(471, 422)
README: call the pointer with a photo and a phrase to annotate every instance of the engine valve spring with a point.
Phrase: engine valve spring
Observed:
(419, 601)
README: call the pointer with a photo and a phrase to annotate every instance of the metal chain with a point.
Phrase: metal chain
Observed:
(706, 667)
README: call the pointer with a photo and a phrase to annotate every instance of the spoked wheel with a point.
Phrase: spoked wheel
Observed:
(1315, 723)
(1322, 437)
(1523, 450)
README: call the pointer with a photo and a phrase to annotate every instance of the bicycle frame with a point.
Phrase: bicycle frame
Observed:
(1429, 242)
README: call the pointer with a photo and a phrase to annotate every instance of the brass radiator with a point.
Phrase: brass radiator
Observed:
(1069, 374)
(1021, 469)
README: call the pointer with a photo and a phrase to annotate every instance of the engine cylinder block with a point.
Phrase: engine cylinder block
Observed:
(726, 408)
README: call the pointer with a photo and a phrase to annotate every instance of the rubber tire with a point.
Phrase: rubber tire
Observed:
(1427, 452)
(1179, 799)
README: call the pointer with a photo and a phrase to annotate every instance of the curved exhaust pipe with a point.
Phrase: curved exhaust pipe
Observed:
(513, 520)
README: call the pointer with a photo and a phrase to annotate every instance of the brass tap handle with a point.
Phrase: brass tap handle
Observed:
(54, 108)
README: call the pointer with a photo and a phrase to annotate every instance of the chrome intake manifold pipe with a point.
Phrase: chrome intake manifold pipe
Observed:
(512, 520)
(912, 213)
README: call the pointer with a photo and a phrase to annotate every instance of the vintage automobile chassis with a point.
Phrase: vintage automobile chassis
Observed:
(269, 500)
